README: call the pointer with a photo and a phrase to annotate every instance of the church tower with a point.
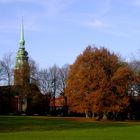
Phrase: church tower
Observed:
(21, 70)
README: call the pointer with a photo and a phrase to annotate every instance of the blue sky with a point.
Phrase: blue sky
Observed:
(57, 31)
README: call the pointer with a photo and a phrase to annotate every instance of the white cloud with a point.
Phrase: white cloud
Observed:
(95, 23)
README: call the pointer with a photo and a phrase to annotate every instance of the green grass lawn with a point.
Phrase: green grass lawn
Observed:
(45, 128)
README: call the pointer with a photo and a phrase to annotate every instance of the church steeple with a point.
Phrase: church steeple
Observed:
(22, 41)
(21, 71)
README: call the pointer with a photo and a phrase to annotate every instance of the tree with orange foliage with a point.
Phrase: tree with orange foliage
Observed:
(97, 83)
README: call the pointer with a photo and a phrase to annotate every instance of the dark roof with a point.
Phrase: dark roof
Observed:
(15, 90)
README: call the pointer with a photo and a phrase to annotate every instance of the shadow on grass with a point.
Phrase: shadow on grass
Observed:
(29, 123)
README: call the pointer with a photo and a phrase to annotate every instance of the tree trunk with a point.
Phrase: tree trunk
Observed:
(86, 113)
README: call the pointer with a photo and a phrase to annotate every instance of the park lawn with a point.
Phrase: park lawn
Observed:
(44, 128)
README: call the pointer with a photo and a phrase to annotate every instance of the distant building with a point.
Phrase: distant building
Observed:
(58, 105)
(22, 97)
(21, 70)
(22, 73)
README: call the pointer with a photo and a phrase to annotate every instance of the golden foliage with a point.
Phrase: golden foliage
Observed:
(97, 82)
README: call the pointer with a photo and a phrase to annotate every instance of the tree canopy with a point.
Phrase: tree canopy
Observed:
(97, 82)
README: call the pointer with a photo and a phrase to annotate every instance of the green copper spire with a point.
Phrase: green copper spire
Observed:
(22, 41)
(22, 54)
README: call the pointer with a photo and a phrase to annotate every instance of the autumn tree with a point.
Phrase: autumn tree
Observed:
(97, 83)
